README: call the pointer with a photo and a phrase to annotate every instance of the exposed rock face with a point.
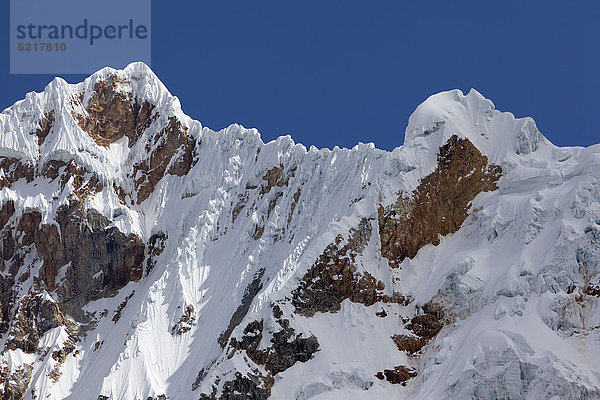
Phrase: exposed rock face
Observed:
(424, 327)
(85, 184)
(7, 278)
(286, 349)
(172, 152)
(45, 127)
(440, 203)
(186, 321)
(6, 212)
(117, 314)
(243, 387)
(15, 384)
(239, 314)
(276, 177)
(156, 245)
(35, 316)
(334, 278)
(398, 375)
(271, 187)
(101, 259)
(112, 114)
(13, 169)
(96, 259)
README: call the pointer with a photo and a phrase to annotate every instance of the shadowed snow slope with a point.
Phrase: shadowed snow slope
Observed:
(145, 256)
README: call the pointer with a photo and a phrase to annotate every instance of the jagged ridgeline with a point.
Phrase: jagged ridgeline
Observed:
(143, 256)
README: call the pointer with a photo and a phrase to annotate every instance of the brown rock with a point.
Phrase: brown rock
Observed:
(175, 151)
(440, 203)
(424, 327)
(185, 321)
(293, 205)
(286, 347)
(119, 310)
(6, 212)
(381, 314)
(102, 259)
(276, 177)
(112, 114)
(334, 278)
(398, 375)
(16, 384)
(29, 226)
(34, 317)
(13, 169)
(85, 184)
(45, 126)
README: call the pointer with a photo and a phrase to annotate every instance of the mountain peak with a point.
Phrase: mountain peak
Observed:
(136, 78)
(143, 256)
(498, 135)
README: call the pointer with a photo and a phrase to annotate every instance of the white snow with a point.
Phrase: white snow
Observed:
(504, 274)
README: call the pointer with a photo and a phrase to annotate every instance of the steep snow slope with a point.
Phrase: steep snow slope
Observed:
(144, 255)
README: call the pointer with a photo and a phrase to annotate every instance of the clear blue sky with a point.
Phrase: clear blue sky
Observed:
(339, 72)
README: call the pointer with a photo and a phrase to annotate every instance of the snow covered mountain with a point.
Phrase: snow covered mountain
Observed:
(144, 256)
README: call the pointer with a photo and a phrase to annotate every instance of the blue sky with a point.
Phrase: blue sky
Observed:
(339, 72)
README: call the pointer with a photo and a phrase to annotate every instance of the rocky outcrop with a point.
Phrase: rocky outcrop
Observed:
(334, 277)
(6, 212)
(243, 387)
(35, 316)
(439, 205)
(171, 152)
(186, 321)
(102, 259)
(9, 270)
(286, 347)
(117, 314)
(45, 126)
(95, 258)
(112, 113)
(271, 187)
(398, 375)
(15, 385)
(13, 169)
(276, 177)
(84, 183)
(60, 355)
(156, 245)
(296, 198)
(83, 259)
(251, 291)
(424, 327)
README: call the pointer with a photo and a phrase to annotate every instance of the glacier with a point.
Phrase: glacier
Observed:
(221, 237)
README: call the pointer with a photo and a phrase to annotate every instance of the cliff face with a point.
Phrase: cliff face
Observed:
(439, 205)
(144, 256)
